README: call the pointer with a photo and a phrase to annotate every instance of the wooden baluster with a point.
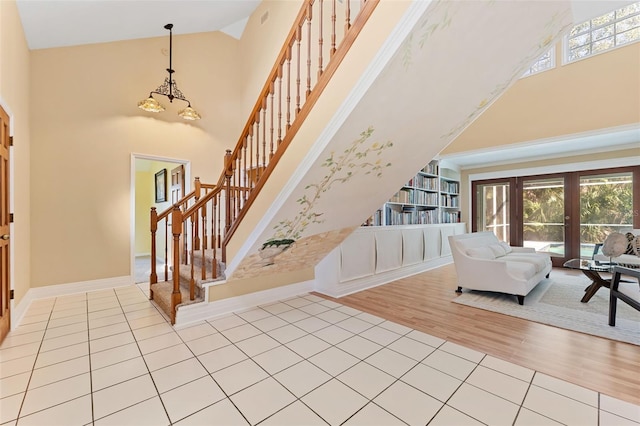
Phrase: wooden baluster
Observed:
(214, 232)
(153, 276)
(246, 172)
(347, 20)
(236, 171)
(228, 172)
(185, 242)
(279, 104)
(251, 169)
(289, 54)
(245, 175)
(205, 237)
(320, 40)
(176, 229)
(298, 59)
(194, 235)
(195, 225)
(271, 122)
(257, 142)
(239, 177)
(234, 185)
(333, 28)
(203, 265)
(166, 249)
(264, 133)
(309, 40)
(217, 219)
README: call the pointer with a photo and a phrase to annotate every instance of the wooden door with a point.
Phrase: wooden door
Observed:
(5, 285)
(177, 184)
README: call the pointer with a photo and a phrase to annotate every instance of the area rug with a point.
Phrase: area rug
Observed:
(556, 302)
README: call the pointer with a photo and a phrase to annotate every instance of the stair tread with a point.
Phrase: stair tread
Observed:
(162, 291)
(185, 272)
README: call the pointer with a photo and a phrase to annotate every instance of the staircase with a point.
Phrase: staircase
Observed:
(162, 291)
(411, 98)
(196, 229)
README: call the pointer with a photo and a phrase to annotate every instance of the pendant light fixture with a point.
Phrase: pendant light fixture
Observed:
(169, 89)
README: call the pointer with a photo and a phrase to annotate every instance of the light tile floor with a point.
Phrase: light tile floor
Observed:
(110, 358)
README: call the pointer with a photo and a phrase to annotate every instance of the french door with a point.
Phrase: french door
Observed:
(563, 214)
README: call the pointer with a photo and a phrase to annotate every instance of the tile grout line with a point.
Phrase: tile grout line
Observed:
(262, 332)
(24, 397)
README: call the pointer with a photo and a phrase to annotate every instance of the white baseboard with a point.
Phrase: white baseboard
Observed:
(359, 284)
(35, 293)
(190, 314)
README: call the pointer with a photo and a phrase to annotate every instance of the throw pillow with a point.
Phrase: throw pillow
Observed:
(630, 243)
(481, 253)
(507, 248)
(497, 249)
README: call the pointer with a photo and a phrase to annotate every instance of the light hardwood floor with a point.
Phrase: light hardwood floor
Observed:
(423, 302)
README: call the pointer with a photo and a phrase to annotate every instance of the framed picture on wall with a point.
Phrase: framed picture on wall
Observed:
(161, 186)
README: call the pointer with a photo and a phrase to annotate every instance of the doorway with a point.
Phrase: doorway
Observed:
(176, 178)
(564, 214)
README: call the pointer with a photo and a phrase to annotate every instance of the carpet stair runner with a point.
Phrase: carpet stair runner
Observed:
(162, 290)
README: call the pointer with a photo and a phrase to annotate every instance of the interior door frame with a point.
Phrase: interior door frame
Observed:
(132, 191)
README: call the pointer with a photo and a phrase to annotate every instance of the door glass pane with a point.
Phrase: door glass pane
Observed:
(543, 215)
(606, 206)
(493, 209)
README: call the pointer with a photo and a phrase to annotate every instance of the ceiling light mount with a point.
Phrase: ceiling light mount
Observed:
(169, 88)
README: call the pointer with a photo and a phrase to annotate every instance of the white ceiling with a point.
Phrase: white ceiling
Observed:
(57, 23)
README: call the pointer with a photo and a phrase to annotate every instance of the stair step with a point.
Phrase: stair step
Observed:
(208, 259)
(162, 291)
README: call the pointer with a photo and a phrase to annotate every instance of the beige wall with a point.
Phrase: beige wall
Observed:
(14, 98)
(261, 44)
(85, 125)
(599, 92)
(594, 93)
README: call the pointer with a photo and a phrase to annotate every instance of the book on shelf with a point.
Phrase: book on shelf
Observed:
(431, 196)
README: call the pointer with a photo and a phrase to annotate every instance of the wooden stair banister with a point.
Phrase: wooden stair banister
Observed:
(282, 106)
(264, 109)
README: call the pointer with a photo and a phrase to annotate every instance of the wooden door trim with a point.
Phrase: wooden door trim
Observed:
(5, 224)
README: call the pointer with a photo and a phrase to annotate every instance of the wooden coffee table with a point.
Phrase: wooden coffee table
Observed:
(592, 269)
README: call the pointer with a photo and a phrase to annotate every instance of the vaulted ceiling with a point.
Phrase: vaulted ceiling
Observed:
(57, 23)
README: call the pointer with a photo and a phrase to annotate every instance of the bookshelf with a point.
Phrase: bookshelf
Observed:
(431, 196)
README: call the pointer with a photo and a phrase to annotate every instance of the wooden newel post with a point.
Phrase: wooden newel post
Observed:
(176, 229)
(198, 187)
(153, 276)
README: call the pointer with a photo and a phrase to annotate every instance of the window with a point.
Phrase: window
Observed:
(544, 63)
(605, 32)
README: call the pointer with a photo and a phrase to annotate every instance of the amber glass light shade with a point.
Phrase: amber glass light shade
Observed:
(189, 114)
(150, 105)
